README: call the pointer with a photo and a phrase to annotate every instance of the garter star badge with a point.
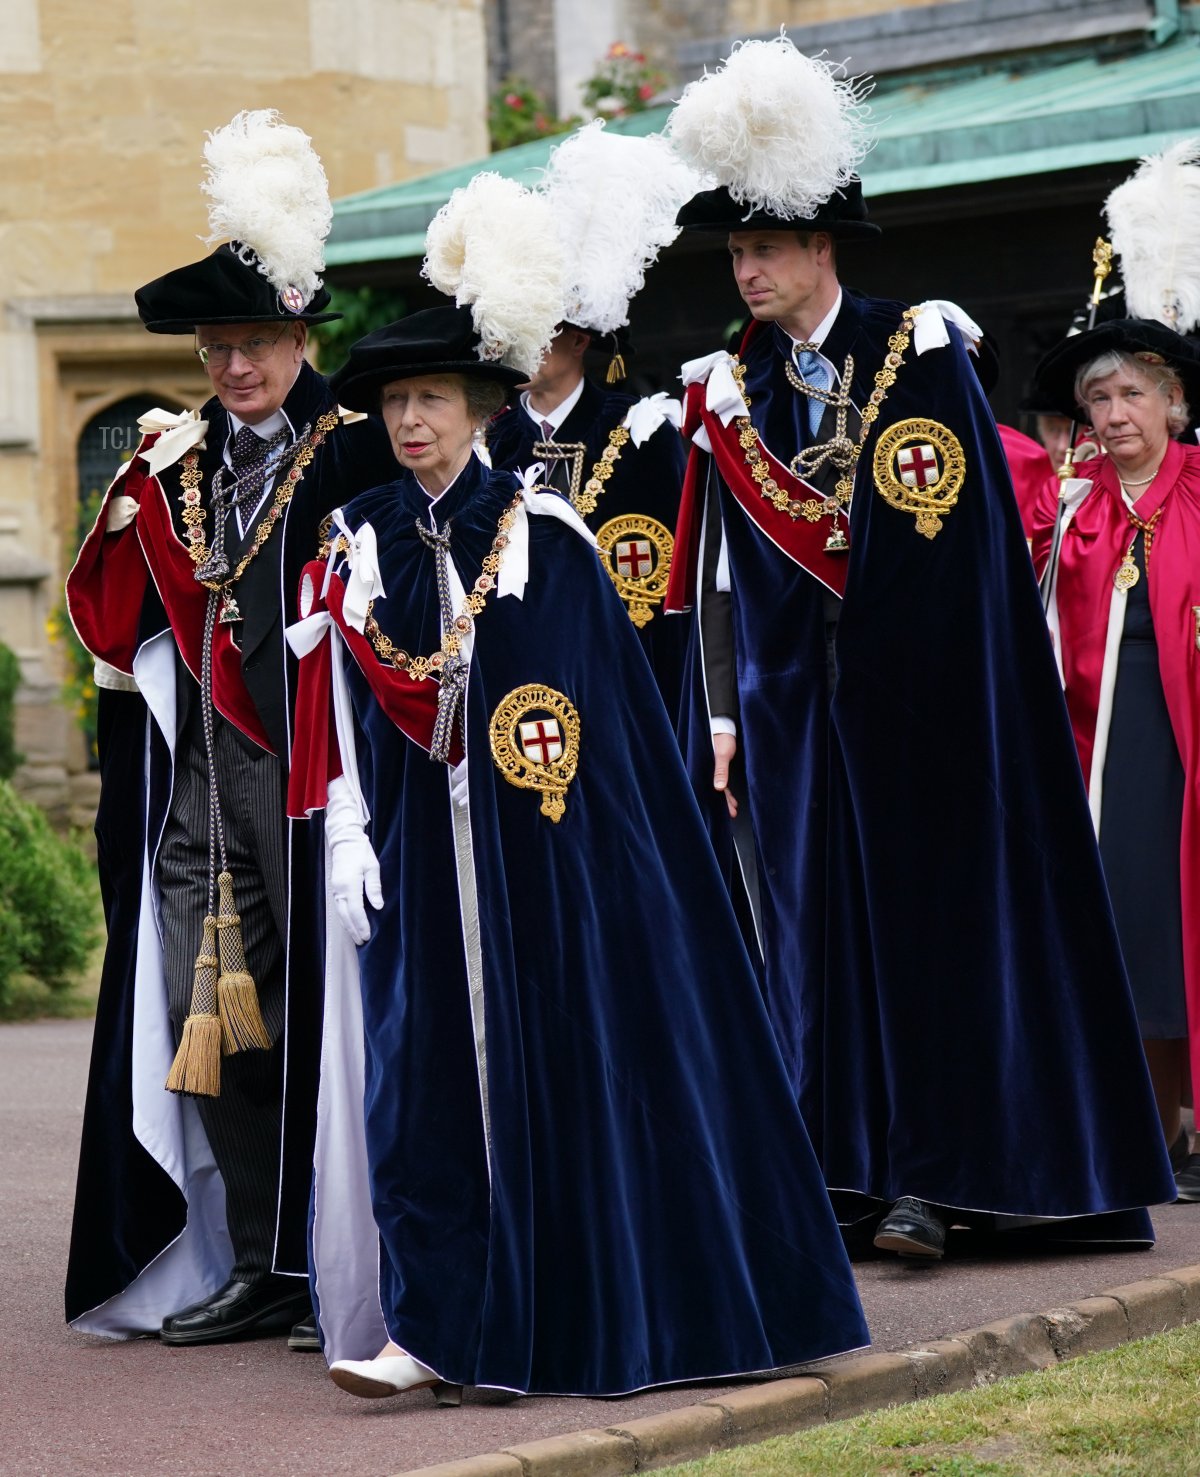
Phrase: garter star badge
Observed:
(535, 743)
(919, 468)
(637, 554)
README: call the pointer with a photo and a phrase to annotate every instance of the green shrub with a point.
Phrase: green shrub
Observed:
(363, 310)
(10, 680)
(79, 690)
(518, 114)
(48, 916)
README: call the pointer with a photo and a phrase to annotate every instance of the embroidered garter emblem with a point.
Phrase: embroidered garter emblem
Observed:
(637, 554)
(534, 735)
(919, 468)
(293, 299)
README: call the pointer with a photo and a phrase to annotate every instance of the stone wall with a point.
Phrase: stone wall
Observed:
(103, 111)
(748, 16)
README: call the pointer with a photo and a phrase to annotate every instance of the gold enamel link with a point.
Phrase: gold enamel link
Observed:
(195, 515)
(812, 510)
(421, 667)
(584, 502)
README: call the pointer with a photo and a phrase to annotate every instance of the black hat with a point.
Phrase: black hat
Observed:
(843, 215)
(434, 341)
(617, 344)
(1037, 402)
(1054, 377)
(223, 288)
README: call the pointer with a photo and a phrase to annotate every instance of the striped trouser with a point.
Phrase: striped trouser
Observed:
(243, 1124)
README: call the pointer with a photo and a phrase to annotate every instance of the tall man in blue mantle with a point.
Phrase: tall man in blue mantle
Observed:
(941, 964)
(195, 1168)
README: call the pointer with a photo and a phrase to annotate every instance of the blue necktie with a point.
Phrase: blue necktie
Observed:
(814, 371)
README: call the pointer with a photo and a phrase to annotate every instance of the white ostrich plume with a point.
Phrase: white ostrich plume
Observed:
(493, 246)
(614, 201)
(268, 192)
(1154, 218)
(780, 130)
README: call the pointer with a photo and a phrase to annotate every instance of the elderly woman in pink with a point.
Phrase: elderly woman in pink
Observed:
(1125, 611)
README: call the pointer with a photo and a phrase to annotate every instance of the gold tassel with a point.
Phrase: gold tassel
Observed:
(242, 1026)
(197, 1065)
(616, 369)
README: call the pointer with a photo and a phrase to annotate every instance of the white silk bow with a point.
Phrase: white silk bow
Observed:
(177, 432)
(721, 394)
(364, 583)
(930, 330)
(514, 568)
(649, 413)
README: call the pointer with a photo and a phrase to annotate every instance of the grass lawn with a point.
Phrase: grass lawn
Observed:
(1131, 1412)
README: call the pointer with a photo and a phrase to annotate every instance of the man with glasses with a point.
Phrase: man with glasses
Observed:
(191, 1209)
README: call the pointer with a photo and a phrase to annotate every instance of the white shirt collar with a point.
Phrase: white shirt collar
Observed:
(265, 429)
(821, 333)
(560, 412)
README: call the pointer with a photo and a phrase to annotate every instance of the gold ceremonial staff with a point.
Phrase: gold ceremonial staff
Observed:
(1102, 259)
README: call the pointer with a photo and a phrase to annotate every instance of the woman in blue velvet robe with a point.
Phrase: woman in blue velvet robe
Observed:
(587, 1170)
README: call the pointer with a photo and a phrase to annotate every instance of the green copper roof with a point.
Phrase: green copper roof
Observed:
(1016, 119)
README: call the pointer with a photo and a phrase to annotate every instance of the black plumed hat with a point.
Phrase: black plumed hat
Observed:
(434, 341)
(224, 288)
(843, 215)
(1054, 378)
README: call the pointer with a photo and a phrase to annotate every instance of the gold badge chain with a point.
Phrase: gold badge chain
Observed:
(812, 509)
(583, 496)
(421, 667)
(195, 514)
(1128, 573)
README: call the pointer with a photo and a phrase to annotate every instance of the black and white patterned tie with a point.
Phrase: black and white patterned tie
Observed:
(253, 459)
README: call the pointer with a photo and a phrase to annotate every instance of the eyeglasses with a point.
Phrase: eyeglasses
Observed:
(253, 349)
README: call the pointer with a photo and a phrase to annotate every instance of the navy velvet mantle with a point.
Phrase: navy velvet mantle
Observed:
(942, 967)
(127, 1208)
(646, 480)
(644, 1206)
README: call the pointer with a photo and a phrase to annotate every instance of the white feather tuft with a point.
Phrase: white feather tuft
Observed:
(782, 131)
(1154, 218)
(493, 246)
(269, 192)
(614, 200)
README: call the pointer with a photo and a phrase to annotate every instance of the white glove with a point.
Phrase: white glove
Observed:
(121, 513)
(353, 865)
(458, 784)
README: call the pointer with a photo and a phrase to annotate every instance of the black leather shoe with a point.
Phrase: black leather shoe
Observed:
(265, 1304)
(304, 1337)
(1187, 1181)
(913, 1229)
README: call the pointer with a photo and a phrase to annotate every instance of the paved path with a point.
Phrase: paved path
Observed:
(71, 1405)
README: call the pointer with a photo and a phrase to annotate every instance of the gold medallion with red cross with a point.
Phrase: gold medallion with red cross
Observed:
(534, 736)
(637, 554)
(919, 468)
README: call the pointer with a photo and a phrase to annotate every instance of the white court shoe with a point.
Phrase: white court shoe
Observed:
(391, 1374)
